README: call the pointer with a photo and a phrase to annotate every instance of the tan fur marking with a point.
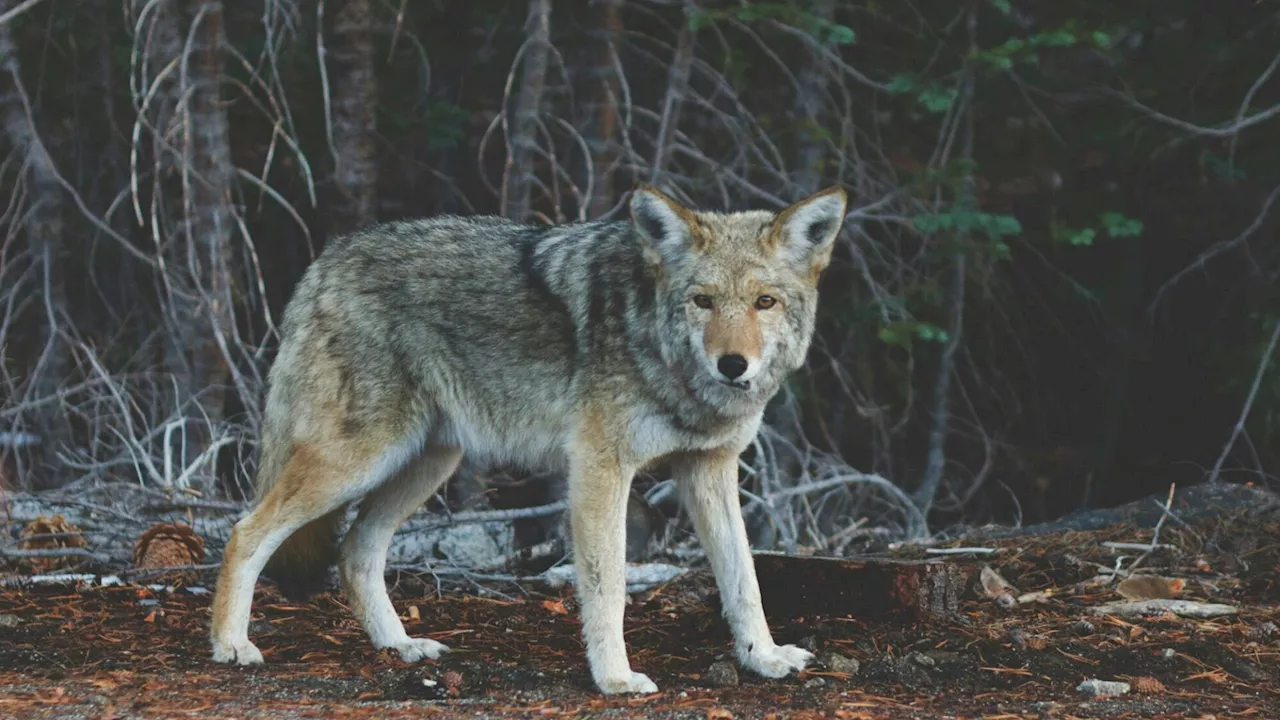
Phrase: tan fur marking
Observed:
(302, 476)
(734, 333)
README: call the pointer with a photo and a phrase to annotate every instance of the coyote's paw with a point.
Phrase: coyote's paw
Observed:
(238, 653)
(776, 661)
(415, 649)
(632, 682)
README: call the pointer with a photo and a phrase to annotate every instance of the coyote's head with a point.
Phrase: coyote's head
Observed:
(737, 292)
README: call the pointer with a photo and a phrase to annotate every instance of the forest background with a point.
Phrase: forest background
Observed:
(1056, 287)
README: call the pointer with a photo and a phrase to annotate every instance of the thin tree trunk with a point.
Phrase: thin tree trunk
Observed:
(602, 108)
(205, 316)
(517, 186)
(160, 42)
(936, 460)
(44, 226)
(354, 98)
(810, 100)
(677, 86)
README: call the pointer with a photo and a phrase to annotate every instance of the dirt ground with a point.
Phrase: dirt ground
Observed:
(119, 652)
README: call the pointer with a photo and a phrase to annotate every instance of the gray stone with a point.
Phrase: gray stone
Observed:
(836, 662)
(1102, 688)
(722, 674)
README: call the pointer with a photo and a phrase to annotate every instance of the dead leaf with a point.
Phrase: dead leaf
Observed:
(719, 714)
(993, 584)
(1148, 587)
(414, 615)
(555, 606)
(998, 588)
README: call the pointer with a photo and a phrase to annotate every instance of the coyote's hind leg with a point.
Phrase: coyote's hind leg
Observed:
(316, 480)
(362, 557)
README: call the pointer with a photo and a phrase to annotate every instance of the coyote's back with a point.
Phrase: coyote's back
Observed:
(594, 348)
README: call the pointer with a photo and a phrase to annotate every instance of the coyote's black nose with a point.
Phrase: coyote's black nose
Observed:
(732, 366)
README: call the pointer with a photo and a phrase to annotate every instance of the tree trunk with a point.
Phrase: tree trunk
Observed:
(602, 107)
(517, 185)
(204, 312)
(354, 98)
(161, 44)
(810, 98)
(44, 230)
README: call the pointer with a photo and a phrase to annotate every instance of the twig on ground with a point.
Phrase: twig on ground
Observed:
(1263, 364)
(1155, 534)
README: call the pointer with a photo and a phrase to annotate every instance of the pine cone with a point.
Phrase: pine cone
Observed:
(1148, 686)
(68, 536)
(167, 545)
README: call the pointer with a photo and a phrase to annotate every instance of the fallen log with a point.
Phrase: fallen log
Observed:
(915, 590)
(1158, 606)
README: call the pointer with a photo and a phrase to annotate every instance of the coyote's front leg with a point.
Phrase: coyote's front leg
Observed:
(709, 485)
(598, 486)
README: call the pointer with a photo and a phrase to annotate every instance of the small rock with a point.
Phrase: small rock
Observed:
(1263, 632)
(815, 683)
(1168, 653)
(722, 674)
(835, 662)
(942, 657)
(1102, 688)
(1245, 670)
(808, 642)
(8, 620)
(920, 659)
(1082, 628)
(1018, 638)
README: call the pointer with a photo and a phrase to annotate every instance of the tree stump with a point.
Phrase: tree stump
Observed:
(915, 590)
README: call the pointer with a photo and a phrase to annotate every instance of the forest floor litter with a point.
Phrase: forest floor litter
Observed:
(1024, 639)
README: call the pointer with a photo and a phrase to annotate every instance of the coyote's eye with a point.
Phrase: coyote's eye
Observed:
(764, 302)
(703, 301)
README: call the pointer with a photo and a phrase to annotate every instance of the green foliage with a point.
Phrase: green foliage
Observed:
(1114, 224)
(1222, 168)
(901, 334)
(820, 28)
(1025, 49)
(1118, 225)
(1081, 237)
(932, 95)
(967, 220)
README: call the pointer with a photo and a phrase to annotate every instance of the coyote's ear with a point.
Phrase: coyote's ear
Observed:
(806, 232)
(663, 224)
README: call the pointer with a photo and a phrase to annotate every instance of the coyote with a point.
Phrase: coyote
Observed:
(594, 348)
